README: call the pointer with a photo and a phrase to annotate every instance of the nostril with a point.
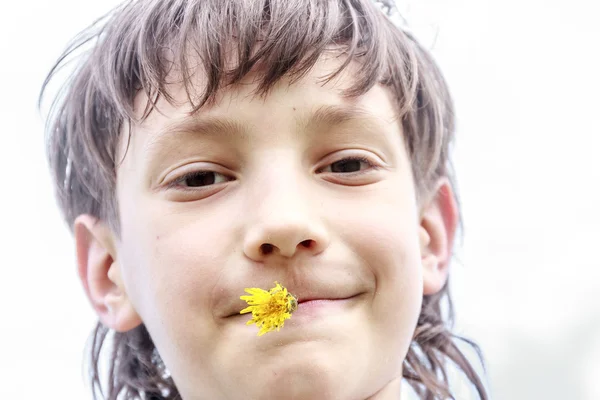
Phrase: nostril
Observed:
(266, 248)
(307, 243)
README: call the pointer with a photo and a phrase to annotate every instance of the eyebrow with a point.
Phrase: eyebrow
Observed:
(206, 125)
(195, 126)
(325, 115)
(331, 115)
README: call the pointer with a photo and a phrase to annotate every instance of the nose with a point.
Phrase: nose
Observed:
(285, 238)
(285, 225)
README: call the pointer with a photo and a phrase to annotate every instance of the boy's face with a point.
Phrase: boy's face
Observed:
(304, 187)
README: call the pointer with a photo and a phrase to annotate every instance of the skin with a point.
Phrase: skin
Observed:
(331, 227)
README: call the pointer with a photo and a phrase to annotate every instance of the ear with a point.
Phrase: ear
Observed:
(100, 274)
(439, 220)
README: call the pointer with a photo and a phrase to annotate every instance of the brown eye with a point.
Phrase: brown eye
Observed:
(348, 166)
(202, 178)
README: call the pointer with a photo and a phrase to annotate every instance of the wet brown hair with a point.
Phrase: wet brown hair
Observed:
(137, 46)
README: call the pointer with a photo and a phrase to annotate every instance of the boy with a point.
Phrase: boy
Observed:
(204, 147)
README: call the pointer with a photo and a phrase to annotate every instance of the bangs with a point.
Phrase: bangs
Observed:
(222, 41)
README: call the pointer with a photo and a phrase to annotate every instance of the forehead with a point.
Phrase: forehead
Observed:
(300, 105)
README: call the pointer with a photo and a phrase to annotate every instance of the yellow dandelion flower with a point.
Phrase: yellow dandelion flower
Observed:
(269, 308)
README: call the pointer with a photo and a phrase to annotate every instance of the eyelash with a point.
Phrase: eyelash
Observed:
(358, 158)
(371, 165)
(177, 183)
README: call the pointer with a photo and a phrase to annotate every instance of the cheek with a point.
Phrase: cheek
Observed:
(385, 237)
(173, 261)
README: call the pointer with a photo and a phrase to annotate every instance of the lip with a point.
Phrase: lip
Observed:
(321, 300)
(318, 306)
(310, 292)
(311, 305)
(310, 308)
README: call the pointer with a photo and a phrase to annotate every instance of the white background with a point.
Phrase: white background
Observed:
(525, 77)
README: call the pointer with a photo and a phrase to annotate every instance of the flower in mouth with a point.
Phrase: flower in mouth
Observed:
(269, 308)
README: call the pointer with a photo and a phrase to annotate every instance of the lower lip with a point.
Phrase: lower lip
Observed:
(313, 308)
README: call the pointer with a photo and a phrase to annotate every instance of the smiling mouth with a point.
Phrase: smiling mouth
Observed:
(310, 305)
(323, 299)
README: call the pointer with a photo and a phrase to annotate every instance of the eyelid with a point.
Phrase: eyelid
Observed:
(365, 160)
(175, 176)
(351, 155)
(176, 183)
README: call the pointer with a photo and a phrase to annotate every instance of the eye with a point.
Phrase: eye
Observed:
(348, 165)
(198, 179)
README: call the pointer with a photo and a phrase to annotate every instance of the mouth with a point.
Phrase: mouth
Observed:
(316, 306)
(312, 304)
(316, 299)
(308, 292)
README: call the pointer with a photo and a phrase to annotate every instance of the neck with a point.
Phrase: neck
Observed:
(391, 391)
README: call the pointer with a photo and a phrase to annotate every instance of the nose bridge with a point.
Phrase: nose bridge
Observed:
(281, 185)
(283, 219)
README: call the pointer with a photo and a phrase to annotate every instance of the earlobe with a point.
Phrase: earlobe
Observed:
(99, 272)
(439, 220)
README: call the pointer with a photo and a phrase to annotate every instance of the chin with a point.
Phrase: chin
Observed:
(302, 385)
(309, 378)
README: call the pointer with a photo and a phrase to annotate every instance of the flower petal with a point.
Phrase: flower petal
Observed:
(269, 309)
